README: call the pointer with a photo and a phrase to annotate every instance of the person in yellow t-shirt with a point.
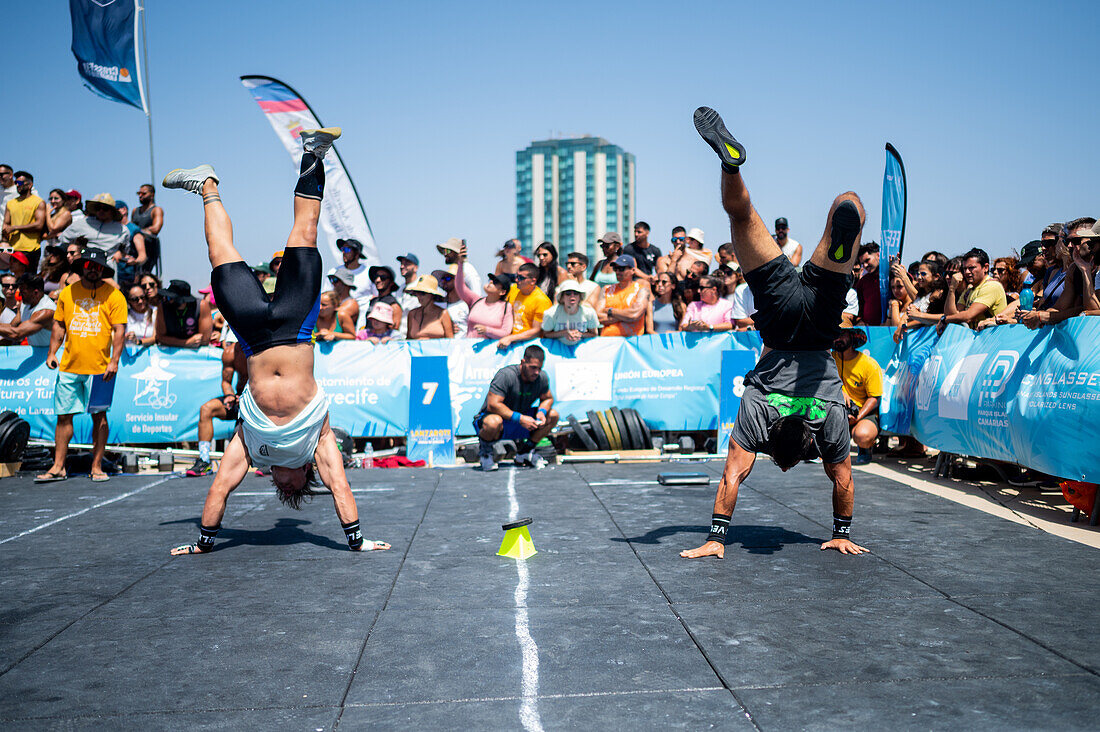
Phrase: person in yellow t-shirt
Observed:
(25, 219)
(91, 319)
(528, 304)
(862, 379)
(983, 298)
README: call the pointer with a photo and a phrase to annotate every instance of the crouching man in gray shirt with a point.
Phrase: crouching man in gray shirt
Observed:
(793, 405)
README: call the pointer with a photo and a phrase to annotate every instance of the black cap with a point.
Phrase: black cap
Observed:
(91, 254)
(1030, 251)
(781, 221)
(353, 243)
(177, 290)
(504, 281)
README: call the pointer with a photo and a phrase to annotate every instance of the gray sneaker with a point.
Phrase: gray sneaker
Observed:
(190, 179)
(488, 465)
(536, 461)
(319, 141)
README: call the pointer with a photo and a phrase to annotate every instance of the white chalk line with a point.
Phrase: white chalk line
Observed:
(85, 510)
(529, 707)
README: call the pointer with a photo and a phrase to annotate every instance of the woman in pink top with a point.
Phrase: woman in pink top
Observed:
(490, 316)
(710, 313)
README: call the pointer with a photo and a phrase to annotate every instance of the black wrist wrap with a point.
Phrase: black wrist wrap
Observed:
(354, 535)
(718, 526)
(206, 537)
(842, 527)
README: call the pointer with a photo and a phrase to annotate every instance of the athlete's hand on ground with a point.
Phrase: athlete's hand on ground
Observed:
(844, 546)
(710, 549)
(187, 549)
(373, 546)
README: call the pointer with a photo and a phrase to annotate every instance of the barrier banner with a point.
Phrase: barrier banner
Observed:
(105, 46)
(431, 436)
(735, 364)
(899, 381)
(1008, 393)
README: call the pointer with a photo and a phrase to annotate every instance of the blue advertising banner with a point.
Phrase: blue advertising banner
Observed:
(1008, 393)
(899, 382)
(105, 46)
(893, 219)
(431, 437)
(735, 364)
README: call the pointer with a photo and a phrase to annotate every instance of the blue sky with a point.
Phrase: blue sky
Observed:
(992, 105)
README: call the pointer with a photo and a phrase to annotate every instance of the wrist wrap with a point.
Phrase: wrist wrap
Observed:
(719, 523)
(353, 534)
(206, 537)
(515, 416)
(842, 527)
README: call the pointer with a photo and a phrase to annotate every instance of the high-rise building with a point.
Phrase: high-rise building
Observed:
(569, 192)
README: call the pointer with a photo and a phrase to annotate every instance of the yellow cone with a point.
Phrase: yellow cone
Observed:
(517, 542)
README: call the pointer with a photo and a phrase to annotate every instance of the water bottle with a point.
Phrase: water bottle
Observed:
(368, 455)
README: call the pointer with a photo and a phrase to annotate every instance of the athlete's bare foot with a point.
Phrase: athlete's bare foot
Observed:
(844, 546)
(710, 549)
(373, 546)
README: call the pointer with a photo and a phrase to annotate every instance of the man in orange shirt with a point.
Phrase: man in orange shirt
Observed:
(91, 319)
(622, 306)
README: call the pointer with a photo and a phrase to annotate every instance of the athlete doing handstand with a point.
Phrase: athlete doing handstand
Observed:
(284, 412)
(793, 405)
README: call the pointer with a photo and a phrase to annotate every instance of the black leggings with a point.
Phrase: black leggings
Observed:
(283, 318)
(797, 311)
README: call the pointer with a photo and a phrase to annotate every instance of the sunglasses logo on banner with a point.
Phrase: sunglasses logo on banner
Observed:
(997, 376)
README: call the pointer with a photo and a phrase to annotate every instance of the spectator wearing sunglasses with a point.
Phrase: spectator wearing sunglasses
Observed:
(24, 219)
(603, 274)
(453, 250)
(35, 319)
(385, 282)
(351, 250)
(622, 307)
(9, 308)
(456, 307)
(688, 253)
(141, 320)
(528, 305)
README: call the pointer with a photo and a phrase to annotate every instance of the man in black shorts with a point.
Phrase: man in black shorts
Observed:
(518, 407)
(284, 412)
(793, 405)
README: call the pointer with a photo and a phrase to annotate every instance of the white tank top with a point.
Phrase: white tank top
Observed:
(290, 445)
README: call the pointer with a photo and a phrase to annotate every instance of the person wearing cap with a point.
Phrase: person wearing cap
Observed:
(611, 244)
(351, 251)
(690, 251)
(622, 307)
(183, 321)
(511, 258)
(861, 376)
(489, 316)
(409, 266)
(457, 308)
(90, 319)
(19, 263)
(793, 406)
(528, 305)
(284, 412)
(645, 253)
(100, 229)
(34, 321)
(1062, 283)
(452, 251)
(1085, 250)
(571, 319)
(790, 248)
(428, 320)
(24, 219)
(380, 328)
(343, 286)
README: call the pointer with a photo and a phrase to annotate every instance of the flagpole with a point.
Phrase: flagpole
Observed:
(148, 100)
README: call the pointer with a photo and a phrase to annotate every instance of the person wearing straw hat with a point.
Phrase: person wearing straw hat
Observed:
(284, 421)
(570, 319)
(429, 320)
(101, 228)
(456, 306)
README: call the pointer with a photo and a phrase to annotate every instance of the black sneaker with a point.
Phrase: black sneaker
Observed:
(199, 468)
(711, 128)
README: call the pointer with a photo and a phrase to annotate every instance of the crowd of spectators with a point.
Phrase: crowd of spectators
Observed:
(633, 288)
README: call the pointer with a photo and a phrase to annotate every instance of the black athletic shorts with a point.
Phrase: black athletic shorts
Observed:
(797, 311)
(283, 318)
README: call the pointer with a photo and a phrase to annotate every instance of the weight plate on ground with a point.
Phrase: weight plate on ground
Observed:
(636, 437)
(598, 431)
(579, 431)
(645, 430)
(620, 422)
(611, 429)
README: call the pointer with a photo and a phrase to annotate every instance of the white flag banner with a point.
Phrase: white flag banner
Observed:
(342, 215)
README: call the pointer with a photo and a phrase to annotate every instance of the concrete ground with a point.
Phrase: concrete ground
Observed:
(957, 619)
